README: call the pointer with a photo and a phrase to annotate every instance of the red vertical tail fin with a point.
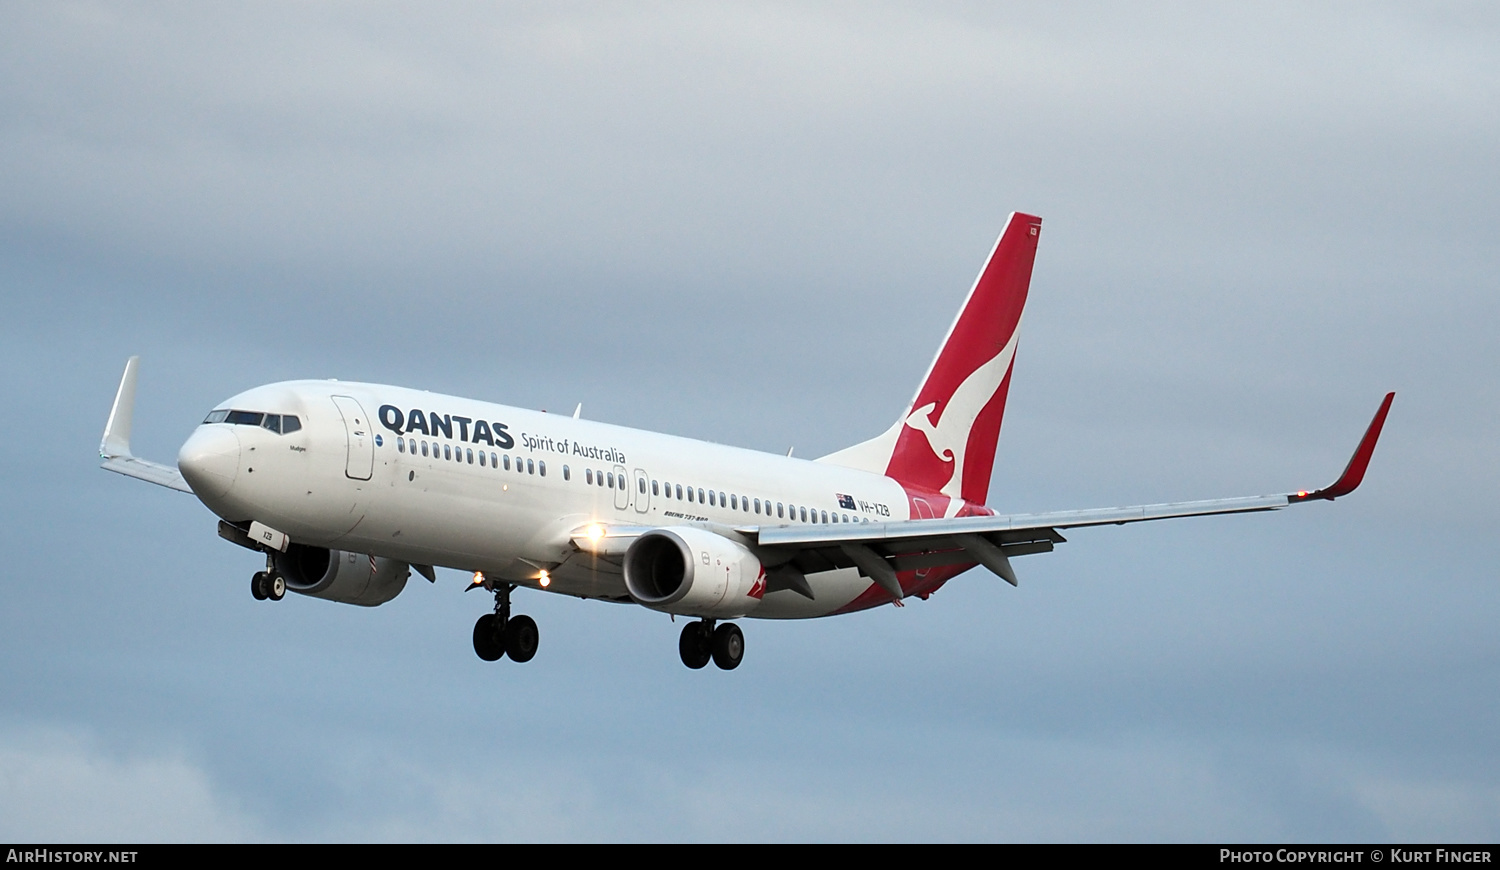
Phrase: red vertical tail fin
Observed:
(944, 442)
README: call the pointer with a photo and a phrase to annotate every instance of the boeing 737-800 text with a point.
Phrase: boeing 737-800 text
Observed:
(346, 488)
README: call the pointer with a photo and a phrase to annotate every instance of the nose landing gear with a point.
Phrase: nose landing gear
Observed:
(268, 583)
(499, 634)
(700, 641)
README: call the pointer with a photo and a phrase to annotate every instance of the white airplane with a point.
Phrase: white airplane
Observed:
(347, 487)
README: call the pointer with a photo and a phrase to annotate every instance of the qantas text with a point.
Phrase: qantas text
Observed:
(433, 424)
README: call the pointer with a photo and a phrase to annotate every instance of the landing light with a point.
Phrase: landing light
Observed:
(594, 532)
(545, 579)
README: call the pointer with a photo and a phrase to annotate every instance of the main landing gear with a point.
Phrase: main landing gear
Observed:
(268, 583)
(499, 634)
(700, 641)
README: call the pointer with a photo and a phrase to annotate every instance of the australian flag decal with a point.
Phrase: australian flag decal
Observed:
(846, 501)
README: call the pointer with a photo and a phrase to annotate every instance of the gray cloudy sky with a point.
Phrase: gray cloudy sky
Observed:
(752, 224)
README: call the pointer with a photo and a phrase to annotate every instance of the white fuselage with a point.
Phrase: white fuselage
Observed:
(431, 479)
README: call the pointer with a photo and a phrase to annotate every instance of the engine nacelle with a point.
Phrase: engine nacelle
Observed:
(338, 575)
(693, 572)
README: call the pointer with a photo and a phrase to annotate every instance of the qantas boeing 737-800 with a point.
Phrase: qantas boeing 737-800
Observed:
(346, 488)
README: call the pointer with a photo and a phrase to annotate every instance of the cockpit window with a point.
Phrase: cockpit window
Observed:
(280, 423)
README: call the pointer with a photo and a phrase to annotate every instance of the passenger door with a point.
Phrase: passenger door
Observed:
(361, 456)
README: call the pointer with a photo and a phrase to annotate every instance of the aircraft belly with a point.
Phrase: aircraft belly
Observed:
(449, 528)
(580, 580)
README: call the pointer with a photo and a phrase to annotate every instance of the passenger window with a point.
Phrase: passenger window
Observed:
(481, 459)
(802, 512)
(653, 488)
(679, 490)
(506, 460)
(447, 452)
(825, 516)
(690, 493)
(588, 475)
(711, 498)
(400, 444)
(469, 455)
(424, 448)
(530, 467)
(567, 474)
(494, 462)
(721, 499)
(641, 485)
(611, 480)
(700, 495)
(541, 468)
(620, 483)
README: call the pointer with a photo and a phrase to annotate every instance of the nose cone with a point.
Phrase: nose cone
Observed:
(210, 460)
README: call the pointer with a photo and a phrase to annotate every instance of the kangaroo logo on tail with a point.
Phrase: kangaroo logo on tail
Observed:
(945, 441)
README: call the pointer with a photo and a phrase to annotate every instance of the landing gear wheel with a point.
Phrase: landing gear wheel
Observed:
(729, 646)
(694, 645)
(275, 587)
(487, 641)
(521, 638)
(258, 586)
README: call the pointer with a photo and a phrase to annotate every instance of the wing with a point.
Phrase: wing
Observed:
(114, 449)
(881, 550)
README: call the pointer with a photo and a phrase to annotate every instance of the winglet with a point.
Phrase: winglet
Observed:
(116, 441)
(114, 448)
(1354, 472)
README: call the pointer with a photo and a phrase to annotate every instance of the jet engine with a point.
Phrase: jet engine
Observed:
(694, 572)
(338, 575)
